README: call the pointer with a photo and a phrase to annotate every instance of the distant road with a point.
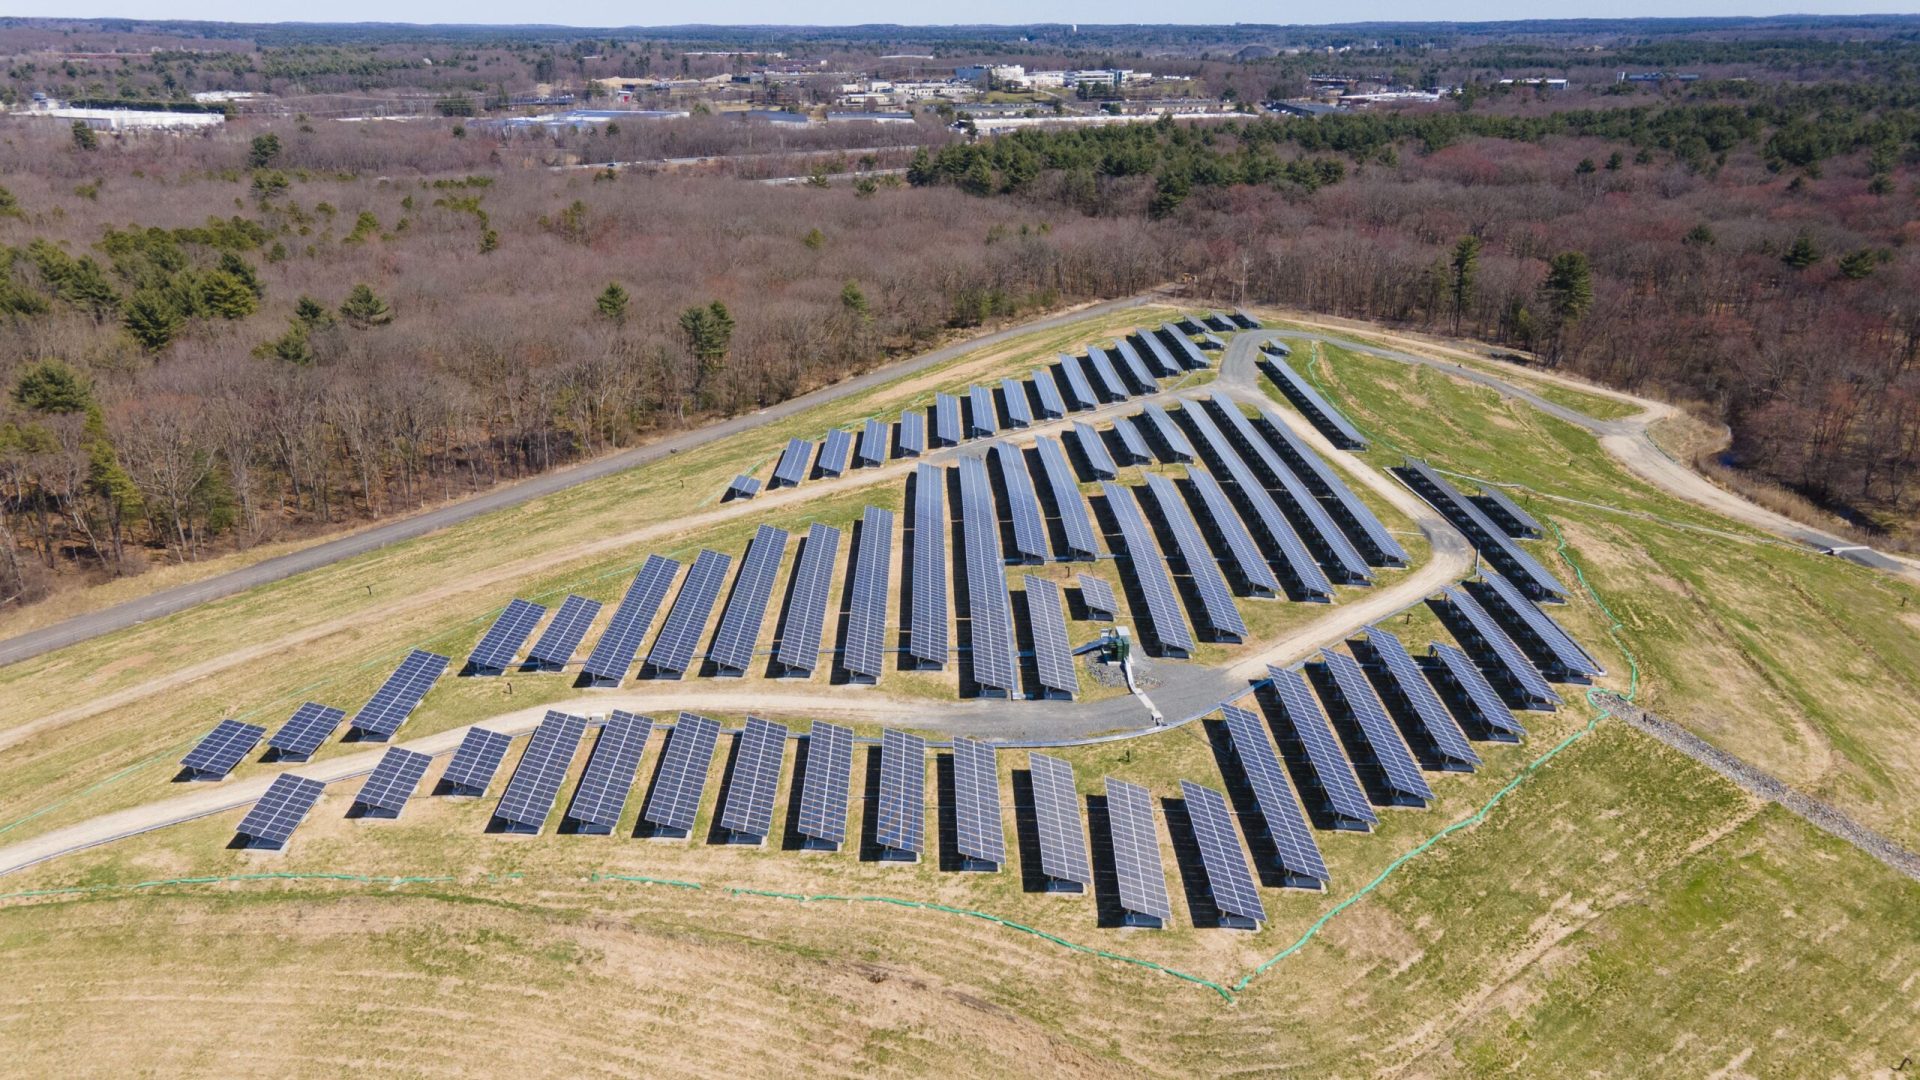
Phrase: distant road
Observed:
(179, 598)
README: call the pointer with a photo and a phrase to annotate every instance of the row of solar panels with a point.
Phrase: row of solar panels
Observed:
(1477, 519)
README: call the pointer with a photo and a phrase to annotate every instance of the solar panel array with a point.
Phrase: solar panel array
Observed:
(1480, 696)
(1286, 824)
(1245, 321)
(872, 580)
(873, 445)
(983, 419)
(613, 654)
(1507, 514)
(1051, 652)
(1510, 558)
(1052, 405)
(1328, 419)
(927, 633)
(1127, 361)
(823, 790)
(1502, 655)
(1225, 861)
(989, 610)
(1141, 878)
(902, 822)
(221, 749)
(1166, 434)
(1362, 523)
(397, 698)
(746, 613)
(280, 810)
(1376, 727)
(979, 833)
(536, 780)
(756, 773)
(1222, 323)
(1183, 349)
(1273, 525)
(1329, 764)
(673, 650)
(1345, 558)
(555, 648)
(1149, 571)
(1019, 412)
(675, 800)
(475, 762)
(502, 641)
(1067, 503)
(1156, 355)
(1243, 555)
(743, 487)
(1056, 813)
(1565, 651)
(946, 419)
(392, 782)
(833, 452)
(1076, 389)
(1100, 373)
(309, 726)
(913, 433)
(1098, 595)
(608, 778)
(793, 463)
(1095, 451)
(1429, 714)
(1216, 602)
(799, 649)
(1133, 445)
(1023, 505)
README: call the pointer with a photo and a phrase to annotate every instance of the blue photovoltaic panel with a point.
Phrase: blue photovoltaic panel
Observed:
(1023, 504)
(1361, 522)
(793, 463)
(1502, 655)
(1565, 651)
(392, 782)
(1219, 322)
(1094, 449)
(833, 452)
(1278, 348)
(1067, 502)
(746, 612)
(673, 650)
(1148, 345)
(394, 701)
(1133, 444)
(555, 648)
(1019, 411)
(1328, 419)
(682, 779)
(1223, 524)
(823, 791)
(1507, 514)
(1429, 714)
(902, 822)
(980, 834)
(1149, 571)
(984, 418)
(1132, 368)
(989, 610)
(309, 726)
(1052, 406)
(873, 445)
(946, 419)
(1260, 511)
(222, 748)
(1216, 601)
(503, 639)
(281, 810)
(872, 581)
(756, 773)
(913, 433)
(1167, 435)
(1245, 321)
(1330, 766)
(1078, 392)
(927, 641)
(1056, 813)
(613, 654)
(1098, 596)
(536, 780)
(1286, 824)
(1141, 877)
(1183, 349)
(807, 613)
(1100, 373)
(608, 778)
(1274, 472)
(1480, 697)
(743, 487)
(1051, 652)
(1492, 541)
(1228, 877)
(475, 762)
(1370, 717)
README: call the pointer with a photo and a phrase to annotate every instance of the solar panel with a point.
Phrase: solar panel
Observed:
(748, 813)
(1299, 856)
(1428, 714)
(1134, 370)
(743, 487)
(1149, 572)
(1019, 410)
(502, 641)
(399, 695)
(1171, 440)
(214, 756)
(902, 823)
(989, 610)
(927, 633)
(1361, 523)
(391, 784)
(833, 452)
(613, 654)
(1216, 602)
(1258, 508)
(1095, 451)
(1051, 653)
(1478, 695)
(1052, 406)
(873, 445)
(746, 613)
(1224, 525)
(872, 580)
(799, 649)
(1222, 323)
(1056, 813)
(823, 790)
(1278, 347)
(1507, 514)
(1023, 505)
(1133, 445)
(793, 463)
(555, 648)
(1376, 729)
(1075, 387)
(1225, 861)
(536, 780)
(1274, 472)
(946, 419)
(475, 762)
(1067, 504)
(1098, 596)
(1330, 768)
(682, 778)
(983, 419)
(1245, 321)
(912, 433)
(280, 811)
(1156, 355)
(1499, 657)
(1141, 877)
(1184, 351)
(1100, 373)
(1548, 635)
(608, 778)
(1321, 412)
(309, 726)
(980, 835)
(672, 651)
(1510, 558)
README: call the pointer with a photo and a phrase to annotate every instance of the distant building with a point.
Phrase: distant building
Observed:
(870, 117)
(134, 119)
(1309, 109)
(1548, 84)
